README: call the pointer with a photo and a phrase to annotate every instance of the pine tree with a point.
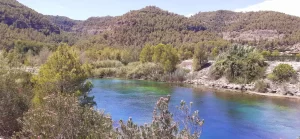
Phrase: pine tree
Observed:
(146, 54)
(62, 73)
(199, 58)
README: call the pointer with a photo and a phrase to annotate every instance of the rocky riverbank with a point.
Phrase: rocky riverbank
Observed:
(290, 90)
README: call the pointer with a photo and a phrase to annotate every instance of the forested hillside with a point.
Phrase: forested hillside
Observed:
(64, 23)
(150, 25)
(278, 28)
(19, 16)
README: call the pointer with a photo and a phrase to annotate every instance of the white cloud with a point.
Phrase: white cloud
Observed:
(285, 6)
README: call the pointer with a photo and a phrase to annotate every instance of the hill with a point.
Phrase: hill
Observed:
(281, 29)
(151, 25)
(19, 16)
(20, 24)
(64, 23)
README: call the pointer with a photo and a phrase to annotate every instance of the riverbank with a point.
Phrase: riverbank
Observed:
(248, 92)
(201, 78)
(232, 88)
(284, 90)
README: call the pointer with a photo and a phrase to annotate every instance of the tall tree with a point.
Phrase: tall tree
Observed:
(165, 55)
(62, 73)
(200, 58)
(146, 54)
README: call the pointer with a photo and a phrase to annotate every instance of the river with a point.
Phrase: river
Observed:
(226, 114)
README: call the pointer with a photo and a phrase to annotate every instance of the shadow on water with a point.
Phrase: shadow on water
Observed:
(226, 114)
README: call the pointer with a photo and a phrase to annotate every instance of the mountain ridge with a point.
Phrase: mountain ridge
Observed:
(153, 25)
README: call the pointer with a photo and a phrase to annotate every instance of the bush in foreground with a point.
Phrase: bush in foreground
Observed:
(62, 73)
(163, 126)
(15, 97)
(61, 117)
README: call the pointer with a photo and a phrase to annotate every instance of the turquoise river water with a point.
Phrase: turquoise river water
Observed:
(226, 114)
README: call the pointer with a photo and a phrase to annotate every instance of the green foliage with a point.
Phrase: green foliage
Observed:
(266, 53)
(35, 47)
(163, 125)
(165, 55)
(15, 96)
(261, 86)
(14, 59)
(275, 53)
(272, 77)
(61, 116)
(62, 73)
(200, 58)
(104, 72)
(93, 55)
(239, 64)
(62, 22)
(228, 21)
(147, 71)
(185, 52)
(215, 52)
(107, 64)
(19, 16)
(146, 54)
(284, 72)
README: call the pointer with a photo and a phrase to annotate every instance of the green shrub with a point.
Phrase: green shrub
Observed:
(104, 72)
(275, 53)
(150, 71)
(261, 86)
(240, 64)
(15, 98)
(163, 125)
(284, 72)
(272, 77)
(162, 54)
(62, 117)
(177, 76)
(266, 53)
(107, 64)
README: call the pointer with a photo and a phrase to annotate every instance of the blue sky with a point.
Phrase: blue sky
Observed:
(83, 9)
